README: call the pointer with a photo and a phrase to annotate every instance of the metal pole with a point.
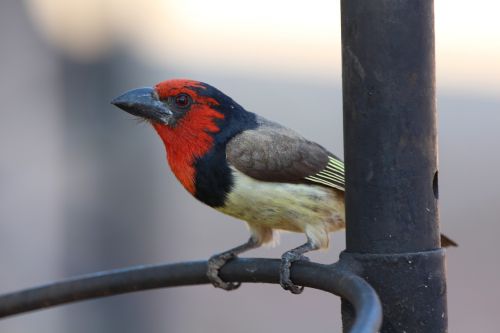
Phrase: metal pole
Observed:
(391, 160)
(336, 279)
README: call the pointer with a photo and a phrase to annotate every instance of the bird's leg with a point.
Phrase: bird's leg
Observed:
(216, 262)
(286, 262)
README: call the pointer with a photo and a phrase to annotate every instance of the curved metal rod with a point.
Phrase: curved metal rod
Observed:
(331, 278)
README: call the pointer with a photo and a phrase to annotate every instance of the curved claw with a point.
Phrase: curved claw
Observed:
(286, 262)
(215, 263)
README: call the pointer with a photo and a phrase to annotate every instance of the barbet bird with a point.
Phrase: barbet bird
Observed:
(245, 166)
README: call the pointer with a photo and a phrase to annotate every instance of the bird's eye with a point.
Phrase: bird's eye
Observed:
(182, 100)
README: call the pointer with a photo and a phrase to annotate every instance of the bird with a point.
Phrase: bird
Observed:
(245, 166)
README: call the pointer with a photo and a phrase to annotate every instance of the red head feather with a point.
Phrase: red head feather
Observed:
(190, 138)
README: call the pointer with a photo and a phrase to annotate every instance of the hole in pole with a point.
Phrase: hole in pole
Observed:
(435, 185)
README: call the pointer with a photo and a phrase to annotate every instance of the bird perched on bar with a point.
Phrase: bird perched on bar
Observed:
(245, 166)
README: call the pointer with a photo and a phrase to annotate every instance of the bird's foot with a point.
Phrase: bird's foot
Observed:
(286, 262)
(215, 263)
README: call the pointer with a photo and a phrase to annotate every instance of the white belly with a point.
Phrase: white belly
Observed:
(312, 209)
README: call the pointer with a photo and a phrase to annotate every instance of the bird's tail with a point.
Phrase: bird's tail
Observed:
(446, 242)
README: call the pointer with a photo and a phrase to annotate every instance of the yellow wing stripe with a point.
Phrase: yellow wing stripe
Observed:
(324, 182)
(332, 175)
(336, 163)
(337, 177)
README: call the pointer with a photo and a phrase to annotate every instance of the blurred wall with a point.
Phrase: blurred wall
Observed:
(84, 187)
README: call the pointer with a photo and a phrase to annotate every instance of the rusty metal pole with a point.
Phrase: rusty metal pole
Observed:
(391, 160)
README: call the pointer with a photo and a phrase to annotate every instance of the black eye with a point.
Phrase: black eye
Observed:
(182, 100)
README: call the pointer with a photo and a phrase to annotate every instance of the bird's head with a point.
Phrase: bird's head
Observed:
(191, 118)
(169, 102)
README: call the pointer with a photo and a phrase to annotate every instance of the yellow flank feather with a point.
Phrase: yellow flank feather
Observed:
(266, 206)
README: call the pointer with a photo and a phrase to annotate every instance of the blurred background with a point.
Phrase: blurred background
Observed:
(84, 187)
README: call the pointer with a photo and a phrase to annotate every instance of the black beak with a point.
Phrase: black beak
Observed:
(144, 103)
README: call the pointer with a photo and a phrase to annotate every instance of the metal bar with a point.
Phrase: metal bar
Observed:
(391, 158)
(330, 278)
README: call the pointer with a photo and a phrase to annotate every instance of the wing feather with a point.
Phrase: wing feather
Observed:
(332, 175)
(277, 154)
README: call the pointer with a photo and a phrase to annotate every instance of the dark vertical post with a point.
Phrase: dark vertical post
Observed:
(391, 160)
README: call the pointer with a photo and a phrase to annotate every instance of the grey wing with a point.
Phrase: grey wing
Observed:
(277, 154)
